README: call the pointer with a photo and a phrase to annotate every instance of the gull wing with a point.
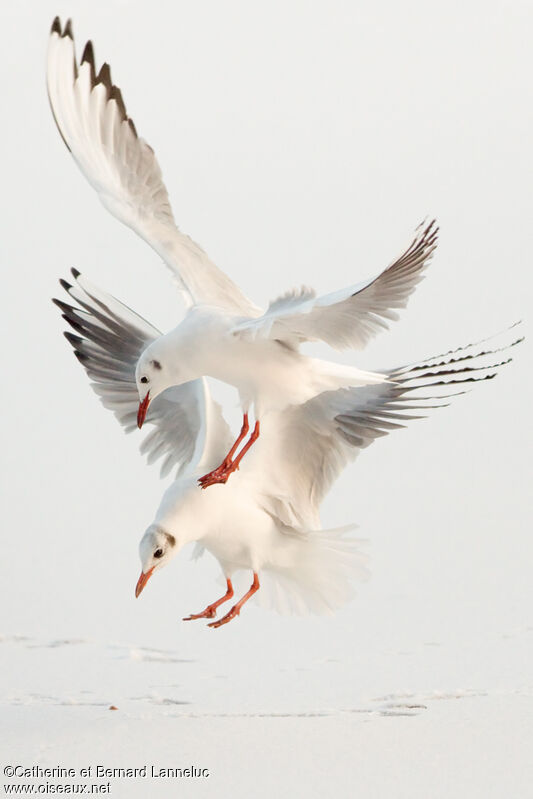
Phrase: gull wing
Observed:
(189, 430)
(91, 117)
(351, 317)
(304, 449)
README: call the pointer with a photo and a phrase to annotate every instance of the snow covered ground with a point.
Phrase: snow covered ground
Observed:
(276, 721)
(299, 145)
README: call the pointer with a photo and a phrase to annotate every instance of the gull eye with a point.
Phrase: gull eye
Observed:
(158, 553)
(144, 380)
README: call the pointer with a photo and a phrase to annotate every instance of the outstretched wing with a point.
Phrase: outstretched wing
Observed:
(91, 117)
(350, 317)
(189, 429)
(302, 451)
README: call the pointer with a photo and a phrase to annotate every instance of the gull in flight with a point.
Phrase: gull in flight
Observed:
(266, 519)
(223, 334)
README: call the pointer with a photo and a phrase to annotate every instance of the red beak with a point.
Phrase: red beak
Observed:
(143, 579)
(143, 407)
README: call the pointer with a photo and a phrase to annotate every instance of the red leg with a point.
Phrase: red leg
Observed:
(211, 610)
(236, 609)
(221, 475)
(253, 438)
(211, 476)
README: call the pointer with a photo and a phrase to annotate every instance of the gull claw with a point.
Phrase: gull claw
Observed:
(232, 614)
(216, 473)
(208, 613)
(213, 478)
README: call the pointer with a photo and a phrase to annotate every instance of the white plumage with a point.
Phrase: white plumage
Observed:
(224, 334)
(318, 415)
(266, 519)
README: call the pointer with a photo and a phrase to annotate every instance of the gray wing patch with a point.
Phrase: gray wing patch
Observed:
(108, 340)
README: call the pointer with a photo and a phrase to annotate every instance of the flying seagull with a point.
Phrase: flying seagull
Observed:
(266, 519)
(223, 334)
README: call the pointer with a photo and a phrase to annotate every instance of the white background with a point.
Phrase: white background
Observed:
(300, 143)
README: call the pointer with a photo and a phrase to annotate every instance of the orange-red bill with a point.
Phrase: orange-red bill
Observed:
(143, 579)
(143, 408)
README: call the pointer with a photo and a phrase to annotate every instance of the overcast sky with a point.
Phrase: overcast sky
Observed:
(301, 142)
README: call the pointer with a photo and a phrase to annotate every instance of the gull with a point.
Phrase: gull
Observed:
(266, 520)
(223, 334)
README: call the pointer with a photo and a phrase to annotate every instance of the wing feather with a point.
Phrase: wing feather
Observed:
(352, 316)
(304, 449)
(91, 117)
(189, 431)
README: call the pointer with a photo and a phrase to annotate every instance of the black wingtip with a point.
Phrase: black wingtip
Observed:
(104, 76)
(61, 305)
(72, 339)
(68, 30)
(56, 26)
(88, 53)
(88, 57)
(82, 358)
(75, 273)
(116, 95)
(64, 284)
(73, 323)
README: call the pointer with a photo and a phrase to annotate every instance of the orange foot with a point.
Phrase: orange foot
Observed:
(228, 617)
(229, 466)
(209, 613)
(220, 475)
(236, 609)
(211, 610)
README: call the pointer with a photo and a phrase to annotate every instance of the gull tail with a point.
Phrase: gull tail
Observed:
(317, 574)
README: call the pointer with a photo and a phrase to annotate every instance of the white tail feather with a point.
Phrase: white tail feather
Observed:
(318, 576)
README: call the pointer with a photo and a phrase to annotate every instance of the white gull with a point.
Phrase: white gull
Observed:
(266, 519)
(223, 334)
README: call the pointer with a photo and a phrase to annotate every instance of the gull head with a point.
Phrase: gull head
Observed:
(156, 549)
(152, 376)
(164, 363)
